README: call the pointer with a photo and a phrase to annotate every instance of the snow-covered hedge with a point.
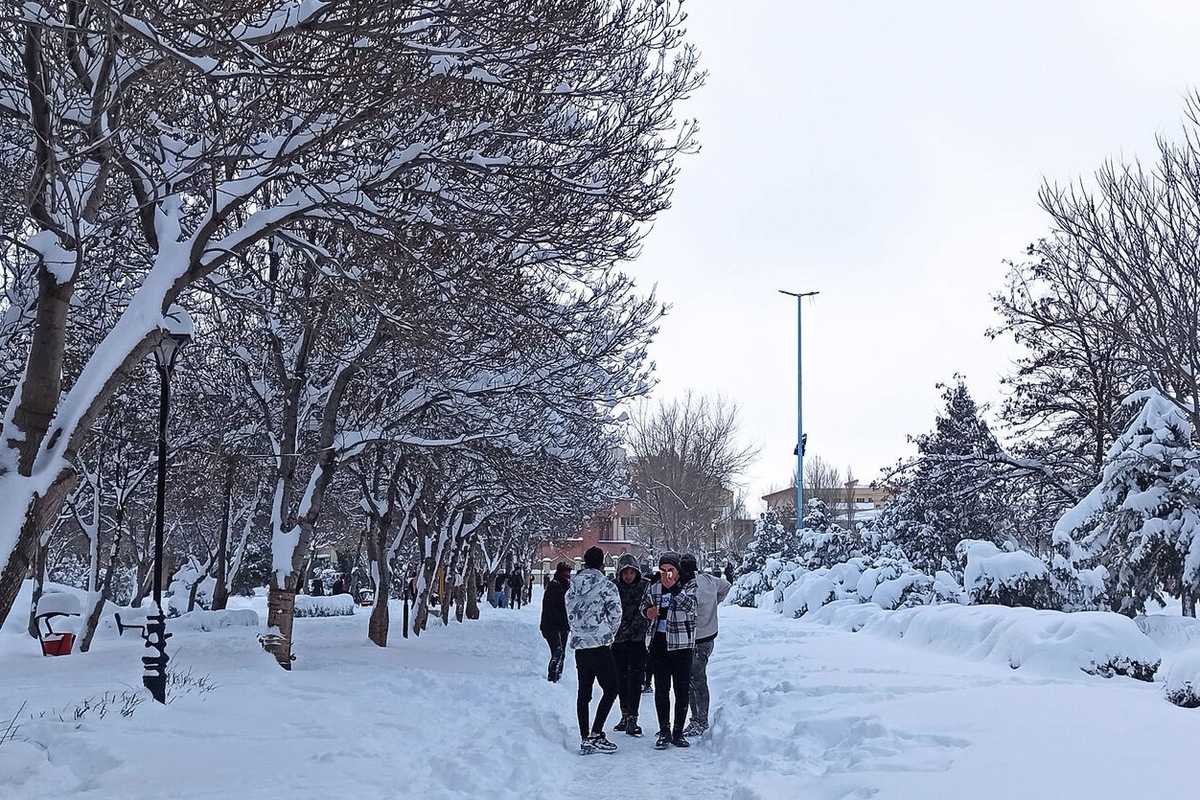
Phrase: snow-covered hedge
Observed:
(339, 605)
(198, 620)
(1095, 642)
(201, 620)
(1006, 578)
(1183, 680)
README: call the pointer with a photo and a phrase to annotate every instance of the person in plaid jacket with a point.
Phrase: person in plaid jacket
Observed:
(670, 605)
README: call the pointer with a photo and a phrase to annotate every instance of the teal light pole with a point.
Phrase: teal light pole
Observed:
(799, 404)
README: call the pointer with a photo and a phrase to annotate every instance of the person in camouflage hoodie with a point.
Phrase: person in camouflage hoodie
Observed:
(594, 611)
(629, 647)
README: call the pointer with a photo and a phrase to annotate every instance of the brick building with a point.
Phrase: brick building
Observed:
(613, 529)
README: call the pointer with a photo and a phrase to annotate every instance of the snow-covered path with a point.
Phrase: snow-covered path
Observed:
(799, 711)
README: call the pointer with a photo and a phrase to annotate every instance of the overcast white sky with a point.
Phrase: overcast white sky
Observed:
(888, 155)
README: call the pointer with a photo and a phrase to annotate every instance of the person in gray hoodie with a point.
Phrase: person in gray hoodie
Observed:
(594, 611)
(629, 647)
(710, 591)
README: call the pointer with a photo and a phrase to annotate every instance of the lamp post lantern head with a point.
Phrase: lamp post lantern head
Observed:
(177, 332)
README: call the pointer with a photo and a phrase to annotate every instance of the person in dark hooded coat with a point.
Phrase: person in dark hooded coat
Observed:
(555, 626)
(629, 646)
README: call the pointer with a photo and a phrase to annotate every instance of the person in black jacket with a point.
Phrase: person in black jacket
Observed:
(554, 625)
(629, 648)
(516, 590)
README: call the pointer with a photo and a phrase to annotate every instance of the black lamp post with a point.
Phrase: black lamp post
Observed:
(155, 666)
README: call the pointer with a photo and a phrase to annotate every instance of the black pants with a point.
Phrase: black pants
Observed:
(557, 640)
(672, 673)
(631, 665)
(595, 664)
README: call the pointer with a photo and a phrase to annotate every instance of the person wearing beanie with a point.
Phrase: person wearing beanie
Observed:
(594, 611)
(710, 591)
(555, 625)
(629, 646)
(670, 605)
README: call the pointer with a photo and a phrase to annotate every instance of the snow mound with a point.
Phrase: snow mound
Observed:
(1170, 633)
(1095, 642)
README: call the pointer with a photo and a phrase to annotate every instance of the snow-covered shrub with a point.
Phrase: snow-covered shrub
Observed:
(340, 605)
(890, 583)
(1182, 686)
(811, 590)
(1005, 577)
(825, 548)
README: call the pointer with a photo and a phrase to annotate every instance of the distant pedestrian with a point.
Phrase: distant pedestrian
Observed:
(710, 591)
(499, 598)
(516, 589)
(629, 646)
(729, 572)
(670, 605)
(555, 625)
(341, 585)
(594, 611)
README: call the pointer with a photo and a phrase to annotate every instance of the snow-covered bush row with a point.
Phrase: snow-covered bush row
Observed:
(339, 605)
(201, 620)
(198, 620)
(1054, 642)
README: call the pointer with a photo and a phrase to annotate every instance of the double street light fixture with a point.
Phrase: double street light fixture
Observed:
(177, 333)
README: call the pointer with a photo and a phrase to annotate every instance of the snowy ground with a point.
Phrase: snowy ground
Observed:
(801, 710)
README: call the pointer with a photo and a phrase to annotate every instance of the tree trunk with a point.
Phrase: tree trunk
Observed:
(40, 556)
(103, 590)
(472, 596)
(377, 627)
(40, 514)
(281, 607)
(220, 598)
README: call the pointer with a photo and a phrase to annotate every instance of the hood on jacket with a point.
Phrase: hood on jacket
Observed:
(627, 561)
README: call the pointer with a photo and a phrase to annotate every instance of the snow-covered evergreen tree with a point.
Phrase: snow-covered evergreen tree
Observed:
(1141, 522)
(771, 540)
(946, 495)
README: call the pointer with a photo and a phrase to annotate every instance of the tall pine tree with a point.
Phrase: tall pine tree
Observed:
(1142, 522)
(947, 493)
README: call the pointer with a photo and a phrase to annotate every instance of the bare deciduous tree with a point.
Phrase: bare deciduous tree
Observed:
(684, 460)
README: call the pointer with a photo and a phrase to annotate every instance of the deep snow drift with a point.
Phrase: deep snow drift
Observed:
(801, 709)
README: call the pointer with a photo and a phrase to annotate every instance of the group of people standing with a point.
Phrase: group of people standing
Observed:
(508, 591)
(615, 625)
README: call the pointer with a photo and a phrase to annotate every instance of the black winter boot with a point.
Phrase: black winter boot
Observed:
(631, 726)
(620, 726)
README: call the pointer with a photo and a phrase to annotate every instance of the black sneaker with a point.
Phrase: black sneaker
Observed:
(679, 741)
(620, 726)
(601, 744)
(663, 741)
(632, 728)
(586, 748)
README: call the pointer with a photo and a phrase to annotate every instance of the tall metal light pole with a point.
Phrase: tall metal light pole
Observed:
(799, 404)
(154, 676)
